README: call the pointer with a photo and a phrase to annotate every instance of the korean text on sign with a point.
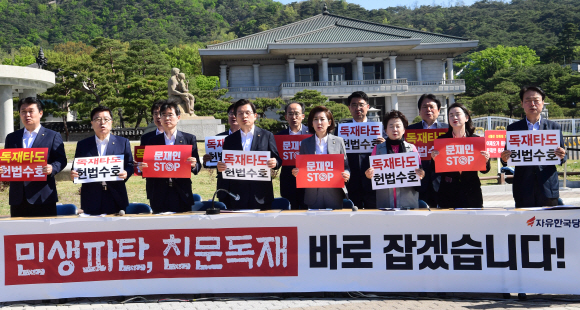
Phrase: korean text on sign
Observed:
(167, 161)
(213, 147)
(23, 164)
(533, 147)
(151, 254)
(463, 154)
(98, 169)
(495, 142)
(423, 140)
(289, 147)
(242, 165)
(138, 154)
(395, 170)
(320, 171)
(360, 137)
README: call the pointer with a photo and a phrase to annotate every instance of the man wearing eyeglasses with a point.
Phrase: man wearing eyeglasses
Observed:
(173, 194)
(156, 116)
(294, 115)
(108, 197)
(535, 186)
(37, 198)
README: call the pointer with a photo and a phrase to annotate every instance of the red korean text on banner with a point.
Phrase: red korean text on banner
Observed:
(151, 254)
(461, 154)
(423, 140)
(288, 147)
(23, 164)
(138, 155)
(495, 142)
(167, 161)
(320, 171)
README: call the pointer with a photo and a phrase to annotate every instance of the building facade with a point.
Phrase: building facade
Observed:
(336, 56)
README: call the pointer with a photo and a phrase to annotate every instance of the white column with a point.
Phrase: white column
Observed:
(394, 102)
(6, 115)
(223, 76)
(256, 74)
(418, 69)
(450, 68)
(324, 69)
(291, 70)
(393, 67)
(386, 69)
(388, 105)
(359, 68)
(287, 73)
(443, 70)
(354, 71)
(451, 99)
(25, 94)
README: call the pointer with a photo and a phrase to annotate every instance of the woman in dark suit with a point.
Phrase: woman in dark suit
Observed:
(321, 122)
(460, 189)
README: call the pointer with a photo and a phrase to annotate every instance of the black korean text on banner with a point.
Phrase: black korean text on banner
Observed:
(98, 169)
(395, 170)
(360, 137)
(242, 165)
(533, 147)
(213, 147)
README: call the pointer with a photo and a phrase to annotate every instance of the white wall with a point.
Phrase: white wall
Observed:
(432, 70)
(272, 75)
(406, 70)
(408, 106)
(241, 76)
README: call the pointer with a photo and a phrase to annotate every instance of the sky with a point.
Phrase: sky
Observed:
(378, 4)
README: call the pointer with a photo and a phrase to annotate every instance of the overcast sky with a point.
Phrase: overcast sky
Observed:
(377, 4)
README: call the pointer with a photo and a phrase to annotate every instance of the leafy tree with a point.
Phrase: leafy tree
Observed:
(186, 58)
(206, 82)
(512, 99)
(212, 103)
(490, 103)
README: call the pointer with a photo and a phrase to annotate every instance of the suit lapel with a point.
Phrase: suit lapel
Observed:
(179, 139)
(543, 124)
(257, 135)
(111, 145)
(93, 148)
(39, 137)
(311, 146)
(332, 146)
(19, 136)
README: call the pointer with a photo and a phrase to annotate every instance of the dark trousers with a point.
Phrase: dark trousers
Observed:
(536, 199)
(25, 209)
(108, 204)
(362, 197)
(169, 201)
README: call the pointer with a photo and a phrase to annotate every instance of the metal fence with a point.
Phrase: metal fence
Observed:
(573, 145)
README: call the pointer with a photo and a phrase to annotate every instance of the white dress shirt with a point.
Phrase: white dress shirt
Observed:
(534, 126)
(170, 140)
(247, 139)
(29, 137)
(433, 126)
(321, 145)
(102, 145)
(292, 133)
(158, 132)
(364, 120)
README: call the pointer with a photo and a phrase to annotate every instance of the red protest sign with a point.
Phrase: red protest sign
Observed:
(288, 147)
(462, 154)
(151, 254)
(138, 156)
(167, 161)
(23, 164)
(423, 140)
(320, 171)
(495, 142)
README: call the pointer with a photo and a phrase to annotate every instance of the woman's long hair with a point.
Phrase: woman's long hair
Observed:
(469, 128)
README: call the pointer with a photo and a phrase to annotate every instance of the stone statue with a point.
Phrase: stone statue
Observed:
(178, 91)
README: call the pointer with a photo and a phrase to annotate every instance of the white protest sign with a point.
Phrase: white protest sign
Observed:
(98, 169)
(395, 170)
(360, 137)
(533, 147)
(241, 165)
(213, 146)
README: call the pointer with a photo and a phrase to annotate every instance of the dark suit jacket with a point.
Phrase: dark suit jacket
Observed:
(144, 141)
(429, 177)
(258, 190)
(287, 180)
(159, 186)
(38, 192)
(90, 192)
(545, 176)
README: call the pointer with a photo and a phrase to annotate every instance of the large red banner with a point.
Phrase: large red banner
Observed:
(495, 142)
(288, 147)
(462, 154)
(23, 164)
(150, 254)
(423, 140)
(138, 155)
(320, 171)
(167, 161)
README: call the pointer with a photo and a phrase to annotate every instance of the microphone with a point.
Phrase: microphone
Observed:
(354, 208)
(121, 213)
(235, 196)
(213, 210)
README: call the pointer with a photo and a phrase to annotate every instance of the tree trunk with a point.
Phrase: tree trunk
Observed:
(65, 126)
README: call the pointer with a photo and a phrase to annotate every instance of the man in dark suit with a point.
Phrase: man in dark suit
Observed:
(294, 115)
(360, 189)
(173, 194)
(146, 137)
(535, 186)
(253, 194)
(221, 183)
(429, 109)
(104, 197)
(36, 198)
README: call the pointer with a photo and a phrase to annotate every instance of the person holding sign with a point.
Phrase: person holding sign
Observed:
(535, 186)
(404, 197)
(108, 197)
(460, 189)
(253, 194)
(37, 198)
(294, 115)
(173, 194)
(156, 116)
(321, 122)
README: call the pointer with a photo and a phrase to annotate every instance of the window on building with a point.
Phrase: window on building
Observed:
(305, 73)
(373, 71)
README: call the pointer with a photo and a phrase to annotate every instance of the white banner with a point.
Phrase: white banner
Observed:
(395, 170)
(373, 251)
(360, 137)
(213, 146)
(241, 165)
(99, 169)
(533, 147)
